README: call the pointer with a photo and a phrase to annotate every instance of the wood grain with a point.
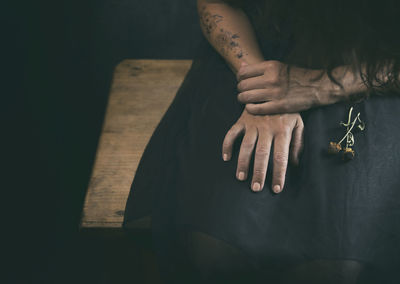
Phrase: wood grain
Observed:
(140, 94)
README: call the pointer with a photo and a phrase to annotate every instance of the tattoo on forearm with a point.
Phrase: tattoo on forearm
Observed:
(225, 40)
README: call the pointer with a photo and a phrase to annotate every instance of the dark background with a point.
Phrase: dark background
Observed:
(58, 59)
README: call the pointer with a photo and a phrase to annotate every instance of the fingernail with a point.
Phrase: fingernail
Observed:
(241, 176)
(225, 157)
(256, 186)
(277, 188)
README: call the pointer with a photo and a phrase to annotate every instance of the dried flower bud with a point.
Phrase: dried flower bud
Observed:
(334, 148)
(348, 154)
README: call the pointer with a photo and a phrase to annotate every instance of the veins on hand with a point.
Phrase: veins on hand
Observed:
(225, 40)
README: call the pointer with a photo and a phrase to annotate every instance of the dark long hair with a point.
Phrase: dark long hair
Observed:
(328, 33)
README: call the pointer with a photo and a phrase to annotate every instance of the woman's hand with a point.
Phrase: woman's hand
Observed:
(267, 88)
(284, 130)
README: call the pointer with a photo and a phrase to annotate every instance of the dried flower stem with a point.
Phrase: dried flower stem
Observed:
(349, 129)
(347, 152)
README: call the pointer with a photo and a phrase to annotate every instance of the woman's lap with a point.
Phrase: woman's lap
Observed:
(212, 260)
(329, 209)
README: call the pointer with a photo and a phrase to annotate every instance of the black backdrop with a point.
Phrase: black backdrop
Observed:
(58, 58)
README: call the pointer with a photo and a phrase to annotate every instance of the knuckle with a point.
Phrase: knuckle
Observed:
(242, 73)
(228, 136)
(234, 129)
(267, 131)
(226, 144)
(284, 131)
(247, 146)
(259, 173)
(258, 178)
(278, 91)
(244, 96)
(242, 163)
(262, 151)
(280, 157)
(251, 106)
(254, 108)
(265, 79)
(274, 77)
(230, 133)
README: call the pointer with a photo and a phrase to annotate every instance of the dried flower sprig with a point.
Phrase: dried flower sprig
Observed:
(347, 151)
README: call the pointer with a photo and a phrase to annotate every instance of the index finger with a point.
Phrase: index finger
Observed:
(229, 139)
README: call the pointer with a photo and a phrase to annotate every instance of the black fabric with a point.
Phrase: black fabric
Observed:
(211, 260)
(341, 213)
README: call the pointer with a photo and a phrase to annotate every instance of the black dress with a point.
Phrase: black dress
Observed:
(328, 210)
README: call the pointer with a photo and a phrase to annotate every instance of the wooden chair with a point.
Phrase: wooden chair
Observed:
(140, 94)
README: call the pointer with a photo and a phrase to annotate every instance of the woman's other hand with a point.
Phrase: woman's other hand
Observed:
(284, 130)
(267, 88)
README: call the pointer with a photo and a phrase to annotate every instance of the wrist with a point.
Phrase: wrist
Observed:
(348, 86)
(351, 81)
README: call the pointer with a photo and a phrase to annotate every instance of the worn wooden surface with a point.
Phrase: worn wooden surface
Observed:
(140, 94)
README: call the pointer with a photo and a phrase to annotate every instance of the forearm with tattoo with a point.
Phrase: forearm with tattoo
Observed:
(229, 31)
(226, 41)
